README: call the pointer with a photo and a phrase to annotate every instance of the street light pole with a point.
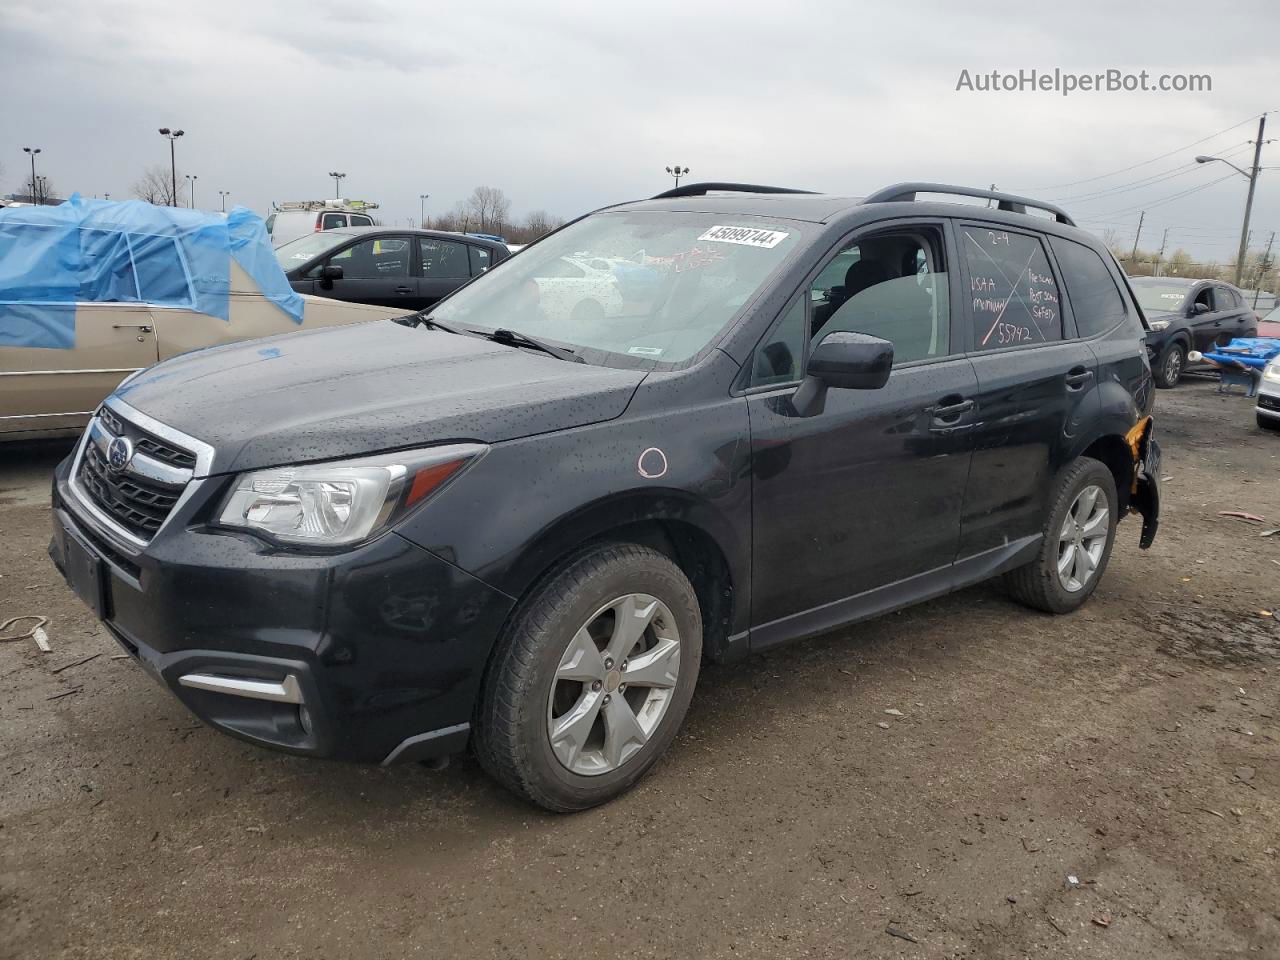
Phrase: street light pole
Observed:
(678, 171)
(224, 194)
(32, 151)
(191, 180)
(422, 209)
(1252, 177)
(337, 181)
(172, 135)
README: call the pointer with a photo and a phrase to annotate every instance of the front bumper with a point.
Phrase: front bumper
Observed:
(375, 654)
(1268, 401)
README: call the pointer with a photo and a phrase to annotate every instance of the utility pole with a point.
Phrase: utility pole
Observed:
(1160, 255)
(1248, 204)
(1263, 268)
(1133, 257)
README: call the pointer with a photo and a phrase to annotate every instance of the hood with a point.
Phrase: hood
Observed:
(368, 387)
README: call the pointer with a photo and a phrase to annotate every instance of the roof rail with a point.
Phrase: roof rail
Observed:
(702, 189)
(1007, 201)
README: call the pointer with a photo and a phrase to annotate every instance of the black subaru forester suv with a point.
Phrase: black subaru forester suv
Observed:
(689, 427)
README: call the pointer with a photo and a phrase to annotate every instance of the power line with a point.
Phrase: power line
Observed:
(1171, 198)
(1194, 143)
(1151, 181)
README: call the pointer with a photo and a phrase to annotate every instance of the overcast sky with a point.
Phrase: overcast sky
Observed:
(569, 106)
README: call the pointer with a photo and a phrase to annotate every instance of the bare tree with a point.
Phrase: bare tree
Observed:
(156, 186)
(489, 209)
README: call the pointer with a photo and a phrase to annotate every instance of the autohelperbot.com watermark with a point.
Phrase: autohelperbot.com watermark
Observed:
(1067, 82)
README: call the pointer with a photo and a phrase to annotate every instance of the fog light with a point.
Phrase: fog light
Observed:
(304, 720)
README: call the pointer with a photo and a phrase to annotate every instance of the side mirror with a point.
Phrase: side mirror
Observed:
(845, 361)
(1199, 308)
(329, 273)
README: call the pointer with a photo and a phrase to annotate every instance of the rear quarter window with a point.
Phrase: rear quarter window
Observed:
(1096, 301)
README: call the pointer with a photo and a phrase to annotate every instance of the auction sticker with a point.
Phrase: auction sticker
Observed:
(747, 236)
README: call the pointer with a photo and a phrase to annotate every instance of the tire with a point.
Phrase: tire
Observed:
(1039, 584)
(1268, 423)
(1173, 360)
(527, 697)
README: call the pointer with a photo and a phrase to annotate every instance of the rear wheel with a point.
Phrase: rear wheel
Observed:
(593, 678)
(1173, 360)
(1077, 541)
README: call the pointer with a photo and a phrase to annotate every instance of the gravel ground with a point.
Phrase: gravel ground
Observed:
(1131, 746)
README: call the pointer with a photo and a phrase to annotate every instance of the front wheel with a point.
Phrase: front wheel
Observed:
(1268, 423)
(1173, 360)
(1078, 535)
(592, 679)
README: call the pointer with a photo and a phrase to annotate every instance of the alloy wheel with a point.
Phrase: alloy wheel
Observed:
(613, 684)
(1083, 538)
(1173, 365)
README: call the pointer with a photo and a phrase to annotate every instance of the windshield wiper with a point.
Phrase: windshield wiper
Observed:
(503, 335)
(420, 319)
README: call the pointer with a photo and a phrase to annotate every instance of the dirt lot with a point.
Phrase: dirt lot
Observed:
(1132, 746)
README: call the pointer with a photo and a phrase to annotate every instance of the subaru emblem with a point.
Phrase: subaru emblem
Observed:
(119, 453)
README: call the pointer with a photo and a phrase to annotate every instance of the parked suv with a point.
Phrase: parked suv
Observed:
(507, 524)
(1185, 315)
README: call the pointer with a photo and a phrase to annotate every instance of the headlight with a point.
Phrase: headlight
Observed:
(343, 502)
(1158, 324)
(1272, 372)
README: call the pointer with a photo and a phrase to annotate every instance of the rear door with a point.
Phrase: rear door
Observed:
(52, 388)
(444, 266)
(1236, 319)
(1036, 390)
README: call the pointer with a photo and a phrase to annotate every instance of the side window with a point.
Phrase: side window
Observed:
(892, 286)
(1095, 299)
(777, 360)
(1205, 297)
(332, 221)
(1229, 299)
(374, 259)
(360, 220)
(1013, 297)
(480, 260)
(444, 259)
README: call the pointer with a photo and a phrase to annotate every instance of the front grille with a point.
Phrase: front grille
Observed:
(1268, 403)
(135, 497)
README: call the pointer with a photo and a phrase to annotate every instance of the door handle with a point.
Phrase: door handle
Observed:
(404, 289)
(140, 327)
(1077, 377)
(948, 413)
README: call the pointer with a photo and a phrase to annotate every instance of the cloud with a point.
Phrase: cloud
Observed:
(571, 105)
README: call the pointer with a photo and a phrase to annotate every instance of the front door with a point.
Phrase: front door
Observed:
(378, 270)
(867, 492)
(1034, 387)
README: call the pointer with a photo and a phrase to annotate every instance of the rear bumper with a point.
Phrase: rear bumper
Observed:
(1145, 496)
(373, 655)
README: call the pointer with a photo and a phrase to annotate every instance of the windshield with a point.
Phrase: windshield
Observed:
(655, 287)
(1160, 297)
(297, 252)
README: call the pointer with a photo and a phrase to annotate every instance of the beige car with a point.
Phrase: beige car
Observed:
(46, 392)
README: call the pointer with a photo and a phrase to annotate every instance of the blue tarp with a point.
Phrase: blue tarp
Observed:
(1254, 352)
(52, 258)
